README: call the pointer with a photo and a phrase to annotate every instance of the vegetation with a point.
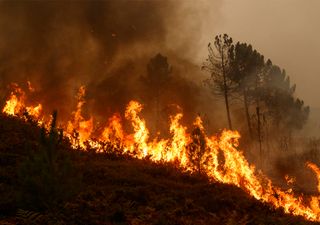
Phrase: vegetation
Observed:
(114, 189)
(158, 74)
(46, 178)
(197, 149)
(218, 64)
(271, 109)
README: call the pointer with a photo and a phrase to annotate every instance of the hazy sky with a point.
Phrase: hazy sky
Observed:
(286, 31)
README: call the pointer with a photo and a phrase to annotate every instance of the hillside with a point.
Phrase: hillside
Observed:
(114, 189)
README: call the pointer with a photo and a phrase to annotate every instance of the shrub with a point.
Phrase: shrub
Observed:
(47, 177)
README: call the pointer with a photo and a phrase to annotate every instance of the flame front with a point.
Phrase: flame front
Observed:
(233, 169)
(15, 105)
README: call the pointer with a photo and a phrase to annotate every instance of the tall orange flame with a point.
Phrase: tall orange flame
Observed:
(15, 103)
(316, 170)
(78, 125)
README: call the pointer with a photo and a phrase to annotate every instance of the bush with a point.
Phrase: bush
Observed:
(47, 177)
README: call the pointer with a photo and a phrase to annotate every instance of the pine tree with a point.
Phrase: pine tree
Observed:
(218, 65)
(197, 148)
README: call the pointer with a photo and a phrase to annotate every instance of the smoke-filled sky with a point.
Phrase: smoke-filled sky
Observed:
(105, 45)
(286, 31)
(59, 45)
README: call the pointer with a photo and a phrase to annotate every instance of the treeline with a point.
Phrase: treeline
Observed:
(242, 75)
(238, 71)
(244, 79)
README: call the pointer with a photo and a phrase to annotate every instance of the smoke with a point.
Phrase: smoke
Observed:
(284, 31)
(60, 45)
(105, 45)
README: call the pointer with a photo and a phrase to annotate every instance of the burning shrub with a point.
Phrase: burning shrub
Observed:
(197, 148)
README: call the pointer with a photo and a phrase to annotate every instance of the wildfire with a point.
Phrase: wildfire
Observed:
(15, 105)
(79, 129)
(290, 180)
(34, 111)
(233, 169)
(316, 170)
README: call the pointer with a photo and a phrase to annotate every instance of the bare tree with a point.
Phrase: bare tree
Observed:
(218, 65)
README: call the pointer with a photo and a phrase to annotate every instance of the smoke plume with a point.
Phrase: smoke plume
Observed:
(105, 45)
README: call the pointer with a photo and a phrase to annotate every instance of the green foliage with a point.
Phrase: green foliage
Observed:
(47, 177)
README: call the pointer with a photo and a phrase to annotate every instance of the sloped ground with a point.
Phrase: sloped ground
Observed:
(121, 190)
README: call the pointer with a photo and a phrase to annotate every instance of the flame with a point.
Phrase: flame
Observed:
(78, 129)
(141, 133)
(177, 149)
(316, 170)
(12, 106)
(113, 132)
(221, 159)
(290, 180)
(15, 105)
(34, 111)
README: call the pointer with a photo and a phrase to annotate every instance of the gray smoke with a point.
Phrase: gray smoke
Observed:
(105, 45)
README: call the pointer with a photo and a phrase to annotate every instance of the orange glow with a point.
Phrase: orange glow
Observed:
(34, 111)
(78, 129)
(316, 170)
(221, 162)
(30, 87)
(290, 180)
(113, 132)
(15, 105)
(12, 105)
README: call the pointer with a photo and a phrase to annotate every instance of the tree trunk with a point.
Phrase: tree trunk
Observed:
(259, 136)
(246, 107)
(157, 109)
(227, 108)
(225, 87)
